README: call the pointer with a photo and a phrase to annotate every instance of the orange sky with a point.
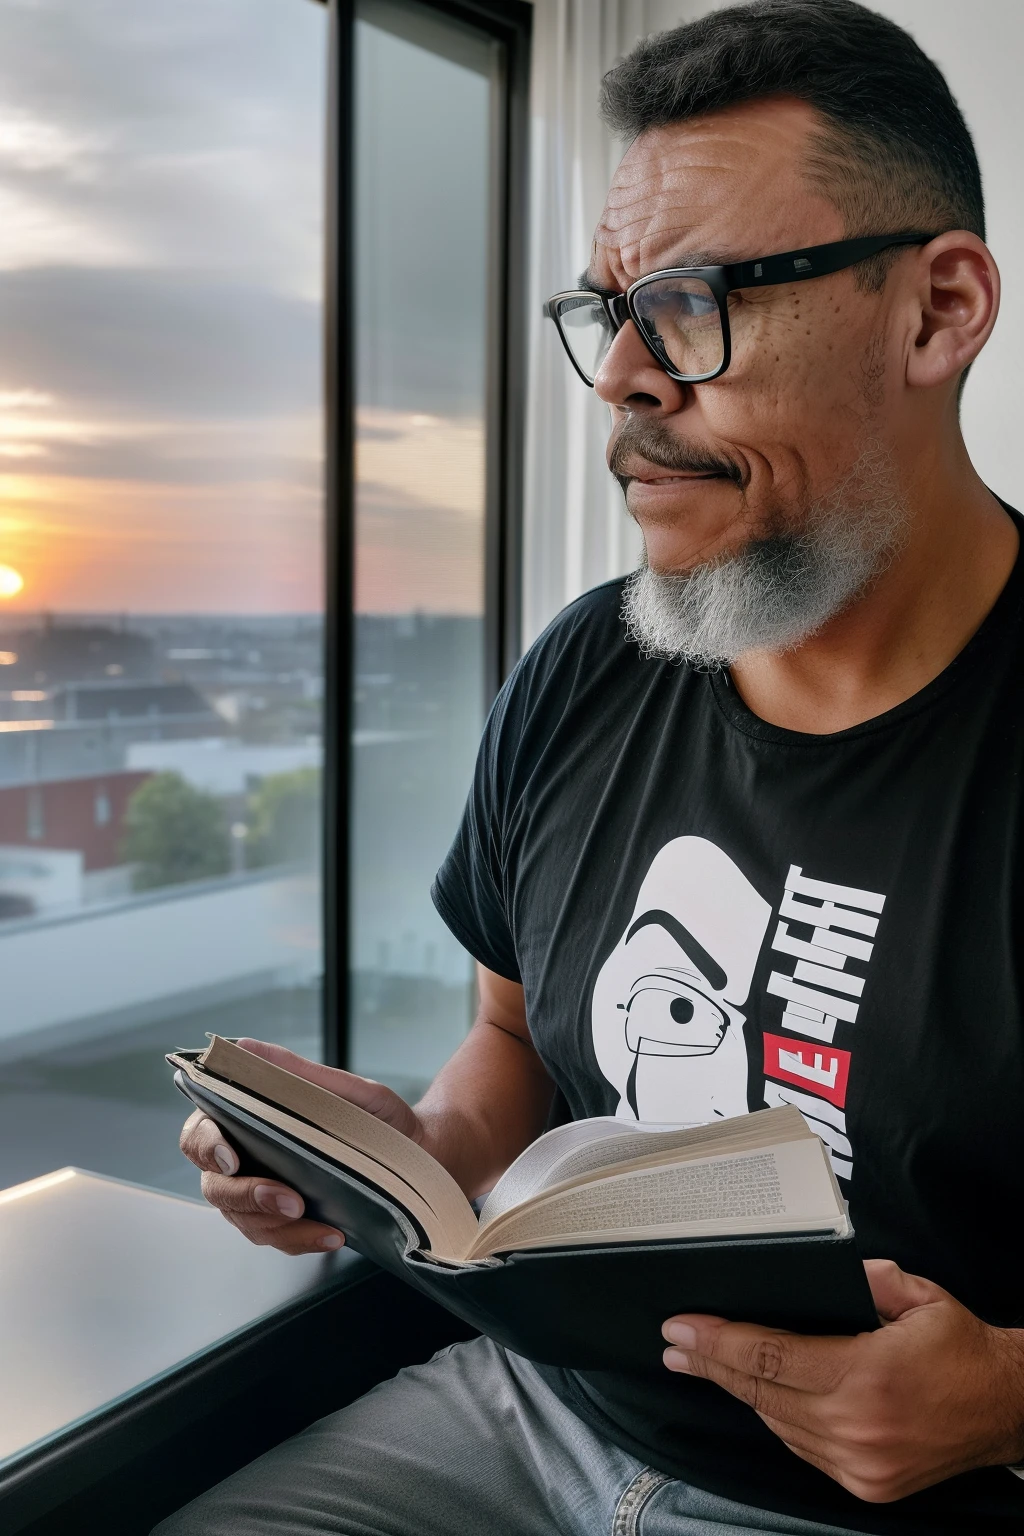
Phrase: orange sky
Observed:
(110, 545)
(419, 513)
(138, 545)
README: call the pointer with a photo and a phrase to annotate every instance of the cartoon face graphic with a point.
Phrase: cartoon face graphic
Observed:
(667, 1019)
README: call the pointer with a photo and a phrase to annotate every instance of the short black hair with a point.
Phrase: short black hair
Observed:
(894, 152)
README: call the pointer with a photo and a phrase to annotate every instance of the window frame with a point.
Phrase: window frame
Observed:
(509, 23)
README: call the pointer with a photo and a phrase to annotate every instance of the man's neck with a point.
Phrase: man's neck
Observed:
(905, 630)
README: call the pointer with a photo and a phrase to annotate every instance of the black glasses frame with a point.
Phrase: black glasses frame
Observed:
(788, 267)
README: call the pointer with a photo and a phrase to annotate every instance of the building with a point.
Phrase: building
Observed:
(86, 814)
(78, 730)
(69, 652)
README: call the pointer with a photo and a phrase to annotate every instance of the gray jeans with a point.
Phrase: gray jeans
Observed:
(471, 1444)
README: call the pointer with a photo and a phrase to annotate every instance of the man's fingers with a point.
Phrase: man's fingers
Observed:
(251, 1196)
(347, 1085)
(205, 1144)
(799, 1361)
(264, 1211)
(374, 1097)
(894, 1291)
(765, 1397)
(291, 1237)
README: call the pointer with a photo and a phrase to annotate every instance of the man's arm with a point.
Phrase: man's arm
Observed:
(485, 1105)
(934, 1392)
(493, 1097)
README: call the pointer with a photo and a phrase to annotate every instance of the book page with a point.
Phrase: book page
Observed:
(780, 1188)
(587, 1147)
(579, 1147)
(348, 1123)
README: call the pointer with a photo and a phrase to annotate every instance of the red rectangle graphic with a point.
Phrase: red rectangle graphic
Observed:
(820, 1069)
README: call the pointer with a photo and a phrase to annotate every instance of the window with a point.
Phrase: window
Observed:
(35, 819)
(433, 125)
(177, 762)
(161, 567)
(422, 217)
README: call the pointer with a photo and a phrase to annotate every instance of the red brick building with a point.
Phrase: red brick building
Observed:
(87, 814)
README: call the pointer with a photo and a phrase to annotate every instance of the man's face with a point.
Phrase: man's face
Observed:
(789, 418)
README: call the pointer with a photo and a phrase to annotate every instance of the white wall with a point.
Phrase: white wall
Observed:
(51, 878)
(577, 532)
(151, 950)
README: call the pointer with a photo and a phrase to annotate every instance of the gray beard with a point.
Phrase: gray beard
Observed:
(780, 589)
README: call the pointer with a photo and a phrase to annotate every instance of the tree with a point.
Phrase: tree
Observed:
(284, 825)
(174, 833)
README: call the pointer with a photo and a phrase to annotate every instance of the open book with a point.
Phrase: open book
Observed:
(592, 1181)
(599, 1231)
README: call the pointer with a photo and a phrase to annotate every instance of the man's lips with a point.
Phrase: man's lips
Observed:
(652, 474)
(677, 477)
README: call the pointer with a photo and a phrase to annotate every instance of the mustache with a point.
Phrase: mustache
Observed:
(643, 437)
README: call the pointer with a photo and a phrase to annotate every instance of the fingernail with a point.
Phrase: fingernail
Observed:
(225, 1159)
(681, 1333)
(332, 1240)
(676, 1360)
(282, 1204)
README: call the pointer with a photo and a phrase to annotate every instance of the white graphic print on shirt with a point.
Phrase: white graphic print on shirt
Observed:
(830, 930)
(667, 1011)
(667, 1015)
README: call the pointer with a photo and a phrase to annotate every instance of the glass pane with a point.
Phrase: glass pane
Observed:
(423, 114)
(160, 559)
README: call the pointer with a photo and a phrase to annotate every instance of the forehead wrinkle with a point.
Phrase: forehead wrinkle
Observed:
(688, 190)
(703, 187)
(668, 176)
(666, 241)
(666, 223)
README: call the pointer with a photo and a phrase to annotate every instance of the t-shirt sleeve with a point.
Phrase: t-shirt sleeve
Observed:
(469, 891)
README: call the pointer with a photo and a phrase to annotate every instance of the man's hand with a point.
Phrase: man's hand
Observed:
(264, 1211)
(934, 1392)
(483, 1107)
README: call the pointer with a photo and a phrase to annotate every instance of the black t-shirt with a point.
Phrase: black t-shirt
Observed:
(710, 914)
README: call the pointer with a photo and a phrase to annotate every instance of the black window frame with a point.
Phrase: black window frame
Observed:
(509, 23)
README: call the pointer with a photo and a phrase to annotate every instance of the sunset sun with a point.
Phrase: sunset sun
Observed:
(11, 581)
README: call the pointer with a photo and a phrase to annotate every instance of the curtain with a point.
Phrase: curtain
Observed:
(576, 530)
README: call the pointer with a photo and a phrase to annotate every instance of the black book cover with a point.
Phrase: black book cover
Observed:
(591, 1308)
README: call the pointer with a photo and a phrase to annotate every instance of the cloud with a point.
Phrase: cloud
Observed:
(161, 234)
(30, 143)
(148, 130)
(188, 345)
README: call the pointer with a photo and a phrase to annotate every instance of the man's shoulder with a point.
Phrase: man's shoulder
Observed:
(580, 658)
(594, 618)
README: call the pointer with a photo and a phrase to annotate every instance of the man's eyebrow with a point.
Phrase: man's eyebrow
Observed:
(708, 967)
(587, 283)
(685, 261)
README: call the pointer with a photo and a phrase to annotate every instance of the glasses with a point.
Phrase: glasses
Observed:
(682, 313)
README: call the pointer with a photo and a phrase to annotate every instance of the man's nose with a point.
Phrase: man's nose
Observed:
(630, 378)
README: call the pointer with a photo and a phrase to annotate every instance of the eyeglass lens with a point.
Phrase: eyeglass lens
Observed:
(681, 315)
(587, 330)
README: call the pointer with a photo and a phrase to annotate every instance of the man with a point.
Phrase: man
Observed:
(763, 798)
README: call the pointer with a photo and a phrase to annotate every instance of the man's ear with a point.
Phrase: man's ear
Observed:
(957, 304)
